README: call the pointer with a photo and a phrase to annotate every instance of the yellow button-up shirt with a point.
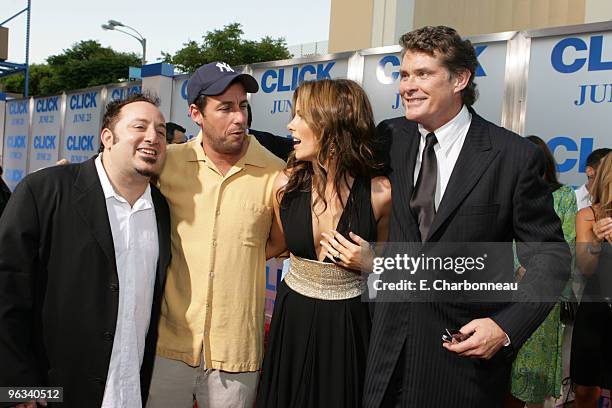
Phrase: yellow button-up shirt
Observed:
(213, 303)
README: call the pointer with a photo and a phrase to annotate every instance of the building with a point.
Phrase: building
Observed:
(362, 24)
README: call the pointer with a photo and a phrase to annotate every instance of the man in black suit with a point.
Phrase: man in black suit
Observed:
(458, 178)
(175, 133)
(277, 145)
(83, 253)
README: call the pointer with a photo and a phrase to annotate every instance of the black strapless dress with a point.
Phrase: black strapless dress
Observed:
(317, 350)
(591, 355)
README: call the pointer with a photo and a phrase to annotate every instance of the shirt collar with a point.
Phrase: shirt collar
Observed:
(451, 131)
(254, 156)
(145, 201)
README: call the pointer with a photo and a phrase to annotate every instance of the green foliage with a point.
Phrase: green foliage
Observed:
(40, 81)
(228, 46)
(85, 64)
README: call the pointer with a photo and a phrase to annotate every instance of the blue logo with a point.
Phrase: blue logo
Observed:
(47, 105)
(18, 108)
(568, 144)
(124, 93)
(14, 175)
(83, 101)
(184, 89)
(271, 80)
(381, 75)
(16, 142)
(572, 63)
(44, 142)
(480, 72)
(394, 61)
(84, 142)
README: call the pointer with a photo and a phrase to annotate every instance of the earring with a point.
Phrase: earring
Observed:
(332, 151)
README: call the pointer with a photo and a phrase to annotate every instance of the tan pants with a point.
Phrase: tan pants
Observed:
(174, 384)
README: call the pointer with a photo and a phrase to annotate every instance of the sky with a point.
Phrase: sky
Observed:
(57, 24)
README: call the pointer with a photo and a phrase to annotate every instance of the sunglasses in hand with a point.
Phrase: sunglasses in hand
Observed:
(454, 336)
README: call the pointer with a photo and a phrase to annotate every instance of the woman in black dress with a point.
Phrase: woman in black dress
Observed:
(329, 206)
(591, 355)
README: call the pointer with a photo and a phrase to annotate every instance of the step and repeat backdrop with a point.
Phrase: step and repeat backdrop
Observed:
(16, 132)
(272, 105)
(569, 97)
(179, 112)
(40, 131)
(381, 80)
(555, 83)
(45, 131)
(566, 99)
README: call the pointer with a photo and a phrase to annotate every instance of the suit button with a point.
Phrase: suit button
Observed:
(107, 336)
(99, 381)
(114, 287)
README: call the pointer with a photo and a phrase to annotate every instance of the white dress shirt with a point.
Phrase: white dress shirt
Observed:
(134, 231)
(583, 198)
(451, 137)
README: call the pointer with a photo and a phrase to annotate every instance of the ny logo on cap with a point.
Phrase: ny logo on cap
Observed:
(224, 66)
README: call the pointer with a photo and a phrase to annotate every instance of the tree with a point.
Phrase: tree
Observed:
(89, 64)
(40, 81)
(227, 45)
(85, 64)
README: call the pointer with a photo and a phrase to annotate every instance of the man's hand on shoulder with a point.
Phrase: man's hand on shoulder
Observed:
(486, 339)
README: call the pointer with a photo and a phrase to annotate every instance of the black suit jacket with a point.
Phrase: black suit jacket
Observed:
(277, 145)
(495, 194)
(59, 289)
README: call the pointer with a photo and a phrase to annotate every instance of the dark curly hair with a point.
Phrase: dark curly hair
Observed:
(455, 53)
(111, 114)
(340, 115)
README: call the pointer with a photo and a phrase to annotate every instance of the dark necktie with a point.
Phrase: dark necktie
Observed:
(422, 200)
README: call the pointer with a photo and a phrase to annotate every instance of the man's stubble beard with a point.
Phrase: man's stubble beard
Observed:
(226, 147)
(148, 173)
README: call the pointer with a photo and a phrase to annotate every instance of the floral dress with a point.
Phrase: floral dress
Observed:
(536, 372)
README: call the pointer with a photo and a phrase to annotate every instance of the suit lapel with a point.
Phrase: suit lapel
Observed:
(91, 206)
(412, 151)
(474, 158)
(405, 148)
(162, 235)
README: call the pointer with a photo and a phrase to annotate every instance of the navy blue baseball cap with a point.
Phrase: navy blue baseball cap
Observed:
(214, 78)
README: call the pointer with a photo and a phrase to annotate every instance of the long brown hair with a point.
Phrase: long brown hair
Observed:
(601, 191)
(340, 115)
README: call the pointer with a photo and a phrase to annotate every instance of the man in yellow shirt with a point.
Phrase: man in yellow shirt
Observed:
(220, 192)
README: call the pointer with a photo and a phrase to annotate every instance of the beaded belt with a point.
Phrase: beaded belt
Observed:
(323, 280)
